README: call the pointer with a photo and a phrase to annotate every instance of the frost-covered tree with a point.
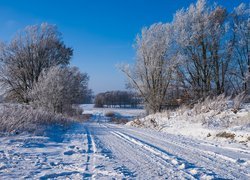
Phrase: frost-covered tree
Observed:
(33, 50)
(155, 62)
(204, 51)
(59, 88)
(200, 34)
(241, 33)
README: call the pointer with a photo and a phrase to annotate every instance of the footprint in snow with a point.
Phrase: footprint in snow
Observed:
(82, 151)
(69, 153)
(72, 147)
(241, 161)
(125, 171)
(53, 163)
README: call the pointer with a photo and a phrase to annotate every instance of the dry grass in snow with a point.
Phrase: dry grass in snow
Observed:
(16, 118)
(207, 119)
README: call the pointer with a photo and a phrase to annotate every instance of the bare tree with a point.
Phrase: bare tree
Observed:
(155, 62)
(33, 50)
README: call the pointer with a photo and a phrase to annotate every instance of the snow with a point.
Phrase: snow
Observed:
(203, 122)
(127, 113)
(101, 150)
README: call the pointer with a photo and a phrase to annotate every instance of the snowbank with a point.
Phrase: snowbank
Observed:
(211, 119)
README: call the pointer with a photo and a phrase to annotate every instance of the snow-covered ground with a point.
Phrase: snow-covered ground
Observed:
(211, 122)
(124, 112)
(100, 150)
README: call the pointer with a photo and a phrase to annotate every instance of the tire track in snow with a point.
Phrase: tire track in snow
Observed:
(141, 162)
(209, 158)
(106, 164)
(189, 169)
(171, 164)
(91, 151)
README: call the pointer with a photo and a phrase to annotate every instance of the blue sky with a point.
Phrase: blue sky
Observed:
(101, 32)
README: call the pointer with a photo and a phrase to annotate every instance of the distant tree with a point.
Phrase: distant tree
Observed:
(88, 97)
(116, 99)
(99, 100)
(59, 88)
(33, 50)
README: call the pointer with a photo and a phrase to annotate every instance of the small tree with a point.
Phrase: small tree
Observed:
(60, 88)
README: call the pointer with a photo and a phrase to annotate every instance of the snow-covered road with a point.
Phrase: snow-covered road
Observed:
(105, 151)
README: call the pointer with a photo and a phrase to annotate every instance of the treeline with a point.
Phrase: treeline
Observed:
(203, 52)
(117, 99)
(34, 70)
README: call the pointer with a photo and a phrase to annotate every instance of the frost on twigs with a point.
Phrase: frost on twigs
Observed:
(16, 118)
(237, 101)
(60, 90)
(212, 113)
(31, 51)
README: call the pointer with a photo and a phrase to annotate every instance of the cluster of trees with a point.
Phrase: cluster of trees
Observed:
(34, 69)
(117, 99)
(204, 51)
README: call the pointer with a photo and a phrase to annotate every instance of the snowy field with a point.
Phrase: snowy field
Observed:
(101, 150)
(128, 113)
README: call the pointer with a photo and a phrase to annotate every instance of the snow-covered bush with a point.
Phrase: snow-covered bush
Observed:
(60, 90)
(216, 104)
(16, 118)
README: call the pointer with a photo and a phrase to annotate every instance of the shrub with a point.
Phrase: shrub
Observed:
(217, 104)
(238, 100)
(226, 135)
(136, 123)
(119, 120)
(110, 114)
